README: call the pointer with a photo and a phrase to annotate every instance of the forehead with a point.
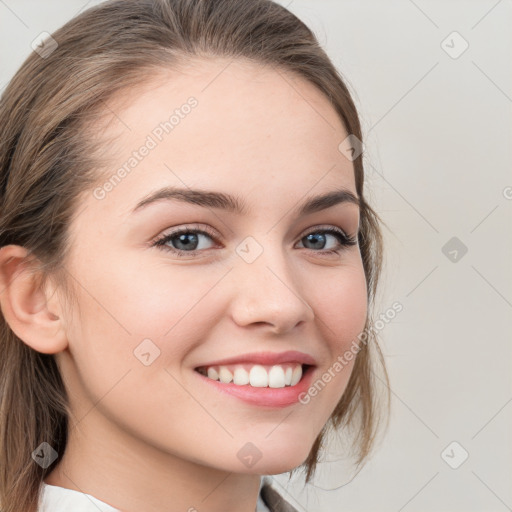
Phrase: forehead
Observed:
(230, 125)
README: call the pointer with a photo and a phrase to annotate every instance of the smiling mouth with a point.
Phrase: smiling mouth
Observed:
(256, 375)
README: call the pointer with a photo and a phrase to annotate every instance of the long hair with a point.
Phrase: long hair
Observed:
(48, 158)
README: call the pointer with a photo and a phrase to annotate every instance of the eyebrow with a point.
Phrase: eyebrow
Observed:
(233, 204)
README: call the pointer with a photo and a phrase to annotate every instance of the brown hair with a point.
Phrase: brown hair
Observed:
(48, 158)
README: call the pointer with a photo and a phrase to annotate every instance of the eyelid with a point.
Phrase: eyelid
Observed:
(213, 234)
(344, 240)
(186, 228)
(326, 227)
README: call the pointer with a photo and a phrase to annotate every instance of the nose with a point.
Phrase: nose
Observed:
(268, 291)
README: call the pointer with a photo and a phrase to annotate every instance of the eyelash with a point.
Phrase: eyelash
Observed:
(343, 240)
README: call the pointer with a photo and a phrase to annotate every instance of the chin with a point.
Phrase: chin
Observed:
(278, 467)
(282, 461)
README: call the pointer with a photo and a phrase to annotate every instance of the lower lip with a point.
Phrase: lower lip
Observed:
(265, 397)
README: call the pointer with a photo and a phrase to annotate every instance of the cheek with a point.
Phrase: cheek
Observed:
(139, 313)
(340, 311)
(341, 307)
(143, 296)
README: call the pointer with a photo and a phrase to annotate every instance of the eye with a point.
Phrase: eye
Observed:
(342, 240)
(186, 241)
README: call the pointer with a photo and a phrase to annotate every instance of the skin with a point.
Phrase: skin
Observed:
(154, 437)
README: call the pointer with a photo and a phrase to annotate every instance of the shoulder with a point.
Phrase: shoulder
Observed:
(270, 498)
(59, 499)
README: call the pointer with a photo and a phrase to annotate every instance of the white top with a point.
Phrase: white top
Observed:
(60, 499)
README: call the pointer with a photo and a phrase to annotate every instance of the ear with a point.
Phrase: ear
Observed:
(34, 314)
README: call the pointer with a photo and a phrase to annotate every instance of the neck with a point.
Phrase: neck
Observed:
(130, 475)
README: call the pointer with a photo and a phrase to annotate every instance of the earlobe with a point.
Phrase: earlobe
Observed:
(25, 305)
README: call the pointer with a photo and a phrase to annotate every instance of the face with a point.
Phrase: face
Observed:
(221, 282)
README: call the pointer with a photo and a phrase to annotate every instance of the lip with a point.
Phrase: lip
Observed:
(264, 397)
(265, 358)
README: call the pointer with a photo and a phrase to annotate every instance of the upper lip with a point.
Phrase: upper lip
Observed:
(266, 358)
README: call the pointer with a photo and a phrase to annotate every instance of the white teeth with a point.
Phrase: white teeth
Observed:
(212, 373)
(287, 376)
(241, 377)
(225, 375)
(296, 375)
(276, 377)
(259, 376)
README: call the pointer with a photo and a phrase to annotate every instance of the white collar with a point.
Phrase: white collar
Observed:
(60, 499)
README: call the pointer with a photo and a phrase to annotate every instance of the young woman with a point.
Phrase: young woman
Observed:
(188, 262)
